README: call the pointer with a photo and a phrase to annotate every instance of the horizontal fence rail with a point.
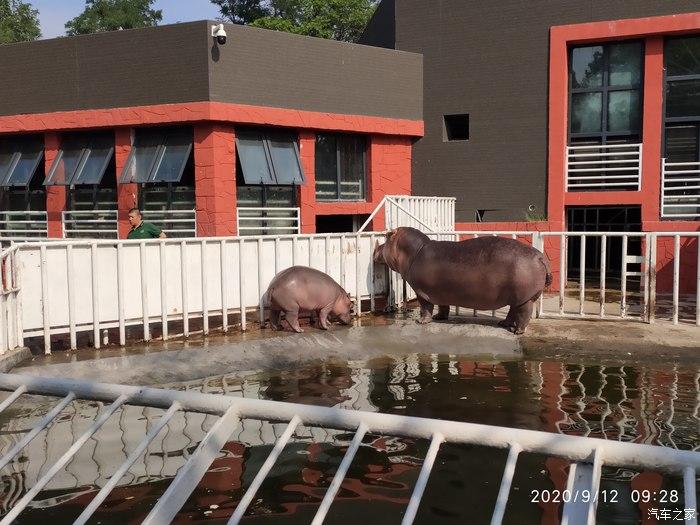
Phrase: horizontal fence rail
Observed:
(93, 224)
(175, 223)
(604, 167)
(680, 190)
(587, 454)
(268, 221)
(177, 286)
(32, 224)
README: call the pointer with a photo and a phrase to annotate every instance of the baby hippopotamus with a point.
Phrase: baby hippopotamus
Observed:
(302, 288)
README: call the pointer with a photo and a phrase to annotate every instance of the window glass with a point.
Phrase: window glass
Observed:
(456, 127)
(586, 112)
(142, 157)
(249, 196)
(174, 157)
(352, 168)
(285, 159)
(254, 161)
(280, 196)
(23, 156)
(66, 163)
(98, 155)
(682, 56)
(625, 64)
(682, 143)
(326, 167)
(623, 110)
(683, 98)
(587, 67)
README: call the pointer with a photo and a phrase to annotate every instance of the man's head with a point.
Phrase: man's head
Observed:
(134, 217)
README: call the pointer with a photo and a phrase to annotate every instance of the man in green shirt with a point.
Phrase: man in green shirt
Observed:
(141, 229)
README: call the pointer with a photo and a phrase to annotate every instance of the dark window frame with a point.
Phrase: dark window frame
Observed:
(604, 135)
(15, 142)
(669, 122)
(154, 166)
(338, 175)
(71, 180)
(445, 127)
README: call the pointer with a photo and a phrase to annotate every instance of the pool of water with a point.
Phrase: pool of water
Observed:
(644, 403)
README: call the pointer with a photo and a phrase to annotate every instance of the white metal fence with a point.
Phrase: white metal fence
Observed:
(588, 455)
(69, 287)
(268, 221)
(92, 224)
(604, 167)
(23, 224)
(680, 190)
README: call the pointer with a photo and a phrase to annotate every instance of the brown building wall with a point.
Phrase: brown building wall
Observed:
(160, 65)
(180, 63)
(490, 59)
(267, 68)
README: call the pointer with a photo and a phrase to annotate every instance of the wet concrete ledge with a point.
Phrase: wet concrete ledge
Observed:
(287, 350)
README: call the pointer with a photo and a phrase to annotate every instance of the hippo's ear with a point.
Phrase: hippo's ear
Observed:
(389, 234)
(348, 294)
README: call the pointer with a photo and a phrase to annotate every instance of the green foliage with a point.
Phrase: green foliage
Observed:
(335, 19)
(19, 22)
(111, 15)
(535, 216)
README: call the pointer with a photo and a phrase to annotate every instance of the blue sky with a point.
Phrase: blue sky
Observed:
(53, 14)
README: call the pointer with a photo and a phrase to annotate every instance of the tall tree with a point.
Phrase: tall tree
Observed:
(110, 15)
(337, 19)
(19, 22)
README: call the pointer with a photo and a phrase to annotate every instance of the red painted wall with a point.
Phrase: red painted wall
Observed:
(55, 195)
(127, 194)
(215, 179)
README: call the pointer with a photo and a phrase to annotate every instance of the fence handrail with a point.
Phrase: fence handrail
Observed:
(605, 146)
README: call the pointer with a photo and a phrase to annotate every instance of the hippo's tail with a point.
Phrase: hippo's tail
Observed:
(548, 269)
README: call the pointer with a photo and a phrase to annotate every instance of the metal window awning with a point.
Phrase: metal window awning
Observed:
(19, 160)
(158, 155)
(82, 159)
(269, 158)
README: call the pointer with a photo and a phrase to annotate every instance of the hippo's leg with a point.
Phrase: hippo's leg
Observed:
(426, 311)
(521, 317)
(509, 321)
(275, 319)
(323, 318)
(292, 317)
(443, 313)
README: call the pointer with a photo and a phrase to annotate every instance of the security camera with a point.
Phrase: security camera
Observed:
(219, 34)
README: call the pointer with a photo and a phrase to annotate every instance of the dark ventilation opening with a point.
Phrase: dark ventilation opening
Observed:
(339, 223)
(456, 127)
(603, 219)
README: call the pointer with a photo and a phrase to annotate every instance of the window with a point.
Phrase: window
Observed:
(605, 92)
(82, 159)
(269, 157)
(19, 160)
(682, 61)
(340, 167)
(158, 155)
(456, 127)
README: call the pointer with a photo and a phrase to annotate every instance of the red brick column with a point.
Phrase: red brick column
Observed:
(389, 166)
(307, 191)
(215, 179)
(127, 194)
(55, 195)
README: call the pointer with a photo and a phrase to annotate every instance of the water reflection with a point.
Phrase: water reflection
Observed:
(645, 404)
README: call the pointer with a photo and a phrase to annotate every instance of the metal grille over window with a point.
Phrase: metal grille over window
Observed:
(340, 167)
(604, 151)
(158, 155)
(82, 159)
(680, 190)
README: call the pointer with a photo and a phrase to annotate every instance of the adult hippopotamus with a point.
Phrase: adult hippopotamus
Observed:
(485, 273)
(302, 288)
